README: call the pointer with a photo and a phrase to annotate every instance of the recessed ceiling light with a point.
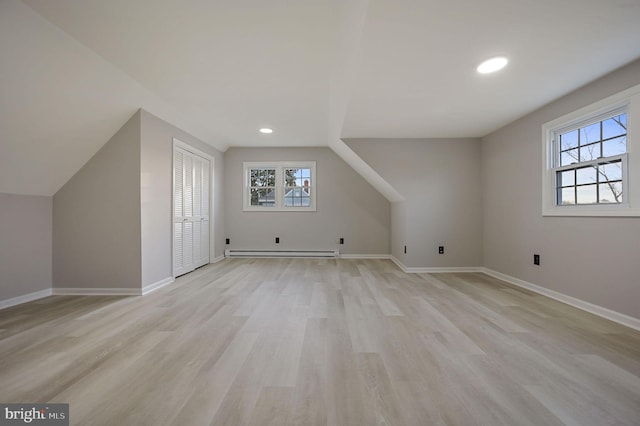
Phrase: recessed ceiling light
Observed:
(492, 65)
(266, 130)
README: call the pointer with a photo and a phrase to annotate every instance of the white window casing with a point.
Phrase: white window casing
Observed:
(627, 102)
(277, 193)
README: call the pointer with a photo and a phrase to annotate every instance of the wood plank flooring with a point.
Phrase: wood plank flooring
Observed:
(321, 342)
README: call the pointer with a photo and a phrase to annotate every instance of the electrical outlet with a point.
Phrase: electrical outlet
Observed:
(341, 240)
(277, 240)
(227, 241)
(536, 259)
(440, 249)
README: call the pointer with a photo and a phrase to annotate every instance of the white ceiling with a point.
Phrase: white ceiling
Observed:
(73, 71)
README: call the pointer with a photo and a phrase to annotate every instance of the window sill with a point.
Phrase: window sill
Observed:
(277, 209)
(590, 211)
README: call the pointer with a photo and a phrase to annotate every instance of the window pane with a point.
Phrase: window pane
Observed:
(615, 126)
(567, 196)
(290, 176)
(586, 194)
(590, 152)
(612, 171)
(611, 192)
(590, 134)
(297, 197)
(588, 172)
(254, 174)
(567, 178)
(270, 177)
(615, 146)
(264, 197)
(569, 140)
(298, 177)
(586, 175)
(569, 157)
(305, 173)
(262, 177)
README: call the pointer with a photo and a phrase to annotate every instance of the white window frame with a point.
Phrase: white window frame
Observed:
(629, 100)
(280, 167)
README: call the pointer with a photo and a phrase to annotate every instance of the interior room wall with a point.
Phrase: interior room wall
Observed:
(347, 207)
(156, 165)
(440, 181)
(399, 231)
(96, 218)
(593, 259)
(25, 245)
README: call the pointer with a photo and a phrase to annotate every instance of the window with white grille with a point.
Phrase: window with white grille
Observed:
(280, 186)
(591, 161)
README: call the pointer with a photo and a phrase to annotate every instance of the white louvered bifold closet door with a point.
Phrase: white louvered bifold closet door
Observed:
(190, 211)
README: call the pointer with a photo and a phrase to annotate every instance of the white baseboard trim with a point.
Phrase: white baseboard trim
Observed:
(435, 269)
(398, 263)
(365, 256)
(217, 259)
(155, 286)
(600, 311)
(59, 291)
(25, 298)
(281, 254)
(444, 269)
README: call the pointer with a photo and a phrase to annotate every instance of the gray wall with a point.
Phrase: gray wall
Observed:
(593, 259)
(25, 244)
(96, 218)
(156, 192)
(440, 181)
(400, 234)
(347, 206)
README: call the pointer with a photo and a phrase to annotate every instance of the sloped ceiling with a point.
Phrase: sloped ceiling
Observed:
(73, 71)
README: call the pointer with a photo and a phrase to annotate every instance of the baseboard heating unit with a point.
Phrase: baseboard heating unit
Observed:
(282, 253)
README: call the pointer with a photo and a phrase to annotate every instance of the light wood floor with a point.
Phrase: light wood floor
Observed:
(315, 342)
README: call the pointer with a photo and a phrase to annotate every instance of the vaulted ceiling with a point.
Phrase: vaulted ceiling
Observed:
(73, 71)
